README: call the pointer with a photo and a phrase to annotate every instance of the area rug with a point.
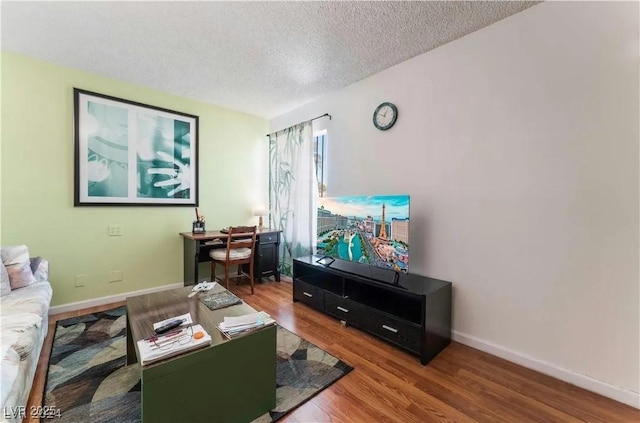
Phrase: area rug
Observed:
(87, 379)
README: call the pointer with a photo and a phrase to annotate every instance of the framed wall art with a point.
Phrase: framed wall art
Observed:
(128, 153)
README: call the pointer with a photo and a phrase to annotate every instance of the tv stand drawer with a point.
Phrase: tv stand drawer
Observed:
(398, 331)
(308, 294)
(343, 308)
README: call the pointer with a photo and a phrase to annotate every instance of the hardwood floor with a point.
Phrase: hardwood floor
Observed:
(388, 385)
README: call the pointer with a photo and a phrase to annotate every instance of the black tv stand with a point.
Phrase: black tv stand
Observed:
(411, 311)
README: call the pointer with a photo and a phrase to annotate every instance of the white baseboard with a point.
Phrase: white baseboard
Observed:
(610, 391)
(109, 299)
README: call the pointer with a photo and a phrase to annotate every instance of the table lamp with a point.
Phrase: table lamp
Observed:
(260, 211)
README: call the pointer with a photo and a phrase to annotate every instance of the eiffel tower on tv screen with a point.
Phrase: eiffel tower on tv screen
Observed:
(371, 230)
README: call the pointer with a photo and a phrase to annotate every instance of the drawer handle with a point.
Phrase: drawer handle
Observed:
(307, 294)
(390, 329)
(342, 309)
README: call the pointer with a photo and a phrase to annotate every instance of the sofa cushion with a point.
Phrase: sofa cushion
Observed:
(16, 260)
(9, 370)
(23, 328)
(24, 345)
(18, 323)
(34, 298)
(21, 333)
(5, 285)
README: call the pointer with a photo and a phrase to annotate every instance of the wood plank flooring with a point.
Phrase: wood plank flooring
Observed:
(388, 385)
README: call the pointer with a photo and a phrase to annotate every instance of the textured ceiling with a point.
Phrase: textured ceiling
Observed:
(263, 58)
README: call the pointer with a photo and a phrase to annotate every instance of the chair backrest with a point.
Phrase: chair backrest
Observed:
(242, 237)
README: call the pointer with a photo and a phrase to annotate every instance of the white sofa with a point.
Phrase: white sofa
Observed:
(23, 328)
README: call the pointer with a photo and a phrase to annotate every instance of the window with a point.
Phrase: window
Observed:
(320, 159)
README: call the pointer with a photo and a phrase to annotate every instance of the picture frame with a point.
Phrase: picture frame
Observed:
(132, 154)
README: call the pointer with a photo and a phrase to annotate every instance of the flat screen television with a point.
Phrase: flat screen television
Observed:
(371, 230)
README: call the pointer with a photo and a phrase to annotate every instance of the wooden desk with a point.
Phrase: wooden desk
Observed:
(228, 381)
(196, 249)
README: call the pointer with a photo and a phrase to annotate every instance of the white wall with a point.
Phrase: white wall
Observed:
(519, 147)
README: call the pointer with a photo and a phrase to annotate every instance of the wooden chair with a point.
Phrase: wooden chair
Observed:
(241, 245)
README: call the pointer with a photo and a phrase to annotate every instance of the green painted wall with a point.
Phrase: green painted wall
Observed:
(37, 183)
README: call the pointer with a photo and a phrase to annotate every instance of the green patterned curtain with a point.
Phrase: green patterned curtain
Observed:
(293, 191)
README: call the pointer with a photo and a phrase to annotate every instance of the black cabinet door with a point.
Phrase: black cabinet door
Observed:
(265, 257)
(266, 260)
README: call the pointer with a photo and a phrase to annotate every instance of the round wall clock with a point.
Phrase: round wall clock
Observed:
(385, 116)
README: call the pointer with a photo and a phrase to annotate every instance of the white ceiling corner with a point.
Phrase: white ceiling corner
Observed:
(262, 58)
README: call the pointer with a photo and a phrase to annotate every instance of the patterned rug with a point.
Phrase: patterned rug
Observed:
(88, 381)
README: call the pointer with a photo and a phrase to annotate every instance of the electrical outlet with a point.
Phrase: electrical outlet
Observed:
(80, 280)
(115, 276)
(115, 230)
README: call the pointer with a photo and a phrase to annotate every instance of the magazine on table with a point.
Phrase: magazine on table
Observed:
(172, 343)
(236, 326)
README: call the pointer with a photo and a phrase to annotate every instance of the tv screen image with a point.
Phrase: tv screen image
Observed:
(371, 230)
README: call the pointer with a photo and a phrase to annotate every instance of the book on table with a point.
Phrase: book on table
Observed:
(220, 299)
(236, 326)
(172, 343)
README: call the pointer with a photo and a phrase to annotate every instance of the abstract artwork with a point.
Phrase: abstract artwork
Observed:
(128, 153)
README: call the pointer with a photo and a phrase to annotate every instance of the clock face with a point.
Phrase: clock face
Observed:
(385, 116)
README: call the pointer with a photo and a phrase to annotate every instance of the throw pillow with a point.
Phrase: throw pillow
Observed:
(34, 263)
(16, 260)
(5, 286)
(40, 268)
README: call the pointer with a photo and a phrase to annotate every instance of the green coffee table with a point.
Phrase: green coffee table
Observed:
(229, 381)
